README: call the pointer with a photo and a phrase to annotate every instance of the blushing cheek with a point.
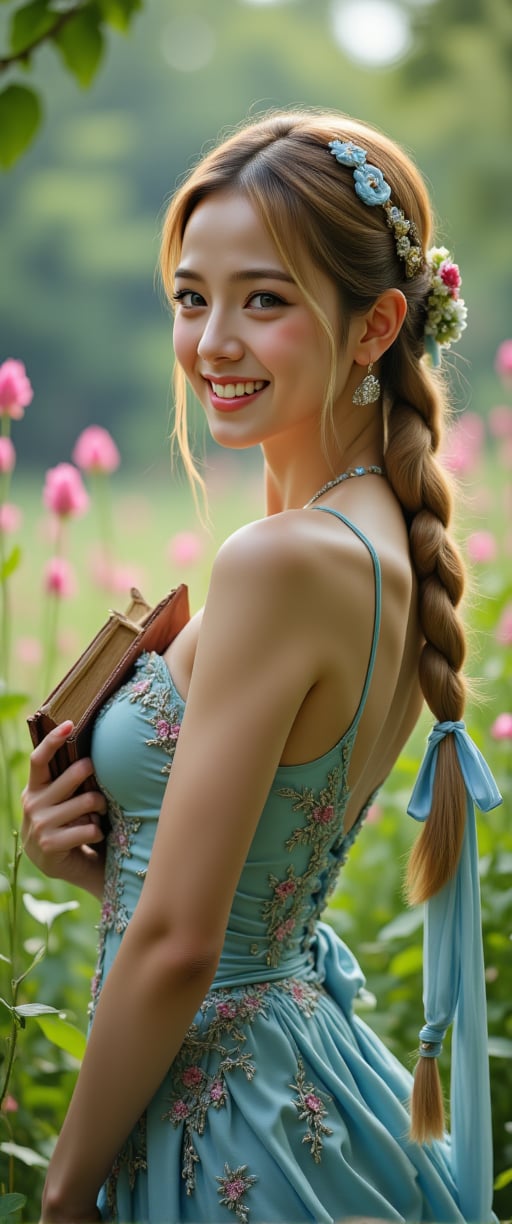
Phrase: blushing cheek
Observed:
(185, 345)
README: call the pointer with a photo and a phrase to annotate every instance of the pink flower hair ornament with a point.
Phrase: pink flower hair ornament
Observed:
(446, 312)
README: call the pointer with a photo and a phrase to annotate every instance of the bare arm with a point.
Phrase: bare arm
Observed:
(252, 670)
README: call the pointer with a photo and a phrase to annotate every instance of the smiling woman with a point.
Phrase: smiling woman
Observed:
(238, 767)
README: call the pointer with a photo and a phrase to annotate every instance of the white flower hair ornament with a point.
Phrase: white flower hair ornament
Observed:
(446, 313)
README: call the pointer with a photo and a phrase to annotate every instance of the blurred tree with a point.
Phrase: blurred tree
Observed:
(76, 29)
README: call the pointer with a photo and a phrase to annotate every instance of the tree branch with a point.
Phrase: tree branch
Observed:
(20, 57)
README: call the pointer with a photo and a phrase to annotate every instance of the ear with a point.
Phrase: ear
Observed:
(380, 326)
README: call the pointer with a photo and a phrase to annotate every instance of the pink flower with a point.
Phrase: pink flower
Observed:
(286, 888)
(15, 389)
(64, 492)
(192, 1076)
(500, 421)
(185, 548)
(179, 1111)
(481, 546)
(7, 455)
(28, 651)
(9, 1104)
(285, 929)
(234, 1189)
(463, 443)
(503, 361)
(10, 518)
(228, 1011)
(323, 815)
(59, 578)
(312, 1102)
(96, 451)
(217, 1091)
(450, 276)
(504, 629)
(502, 728)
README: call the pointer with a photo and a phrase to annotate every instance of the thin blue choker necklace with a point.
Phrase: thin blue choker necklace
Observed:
(372, 470)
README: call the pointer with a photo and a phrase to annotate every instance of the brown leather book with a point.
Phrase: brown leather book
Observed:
(104, 665)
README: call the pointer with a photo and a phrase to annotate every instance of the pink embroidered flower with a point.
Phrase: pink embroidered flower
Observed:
(192, 1076)
(7, 455)
(163, 728)
(15, 389)
(96, 451)
(228, 1011)
(481, 547)
(59, 578)
(323, 815)
(286, 888)
(285, 929)
(450, 276)
(504, 629)
(503, 361)
(217, 1091)
(107, 911)
(185, 548)
(10, 518)
(235, 1188)
(298, 992)
(179, 1111)
(64, 492)
(312, 1102)
(500, 421)
(502, 727)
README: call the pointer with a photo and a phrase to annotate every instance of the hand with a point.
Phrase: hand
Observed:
(59, 826)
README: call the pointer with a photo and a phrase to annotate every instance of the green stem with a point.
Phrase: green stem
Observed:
(52, 620)
(5, 606)
(13, 935)
(102, 500)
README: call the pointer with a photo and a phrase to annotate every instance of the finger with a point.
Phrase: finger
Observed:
(45, 751)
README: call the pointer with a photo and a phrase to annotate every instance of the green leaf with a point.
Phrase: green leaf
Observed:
(499, 1047)
(12, 704)
(34, 1009)
(64, 1035)
(405, 924)
(10, 1203)
(119, 13)
(27, 1155)
(11, 563)
(20, 116)
(80, 43)
(46, 912)
(407, 962)
(30, 23)
(503, 1179)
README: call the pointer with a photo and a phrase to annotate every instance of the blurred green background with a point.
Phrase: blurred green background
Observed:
(80, 211)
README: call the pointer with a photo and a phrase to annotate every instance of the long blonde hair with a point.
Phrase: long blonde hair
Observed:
(308, 203)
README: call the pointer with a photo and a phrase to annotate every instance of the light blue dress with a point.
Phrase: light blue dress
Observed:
(282, 1104)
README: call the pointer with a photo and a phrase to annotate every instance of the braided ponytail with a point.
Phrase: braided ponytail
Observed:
(414, 434)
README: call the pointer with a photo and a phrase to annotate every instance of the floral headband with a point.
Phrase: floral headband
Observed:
(445, 311)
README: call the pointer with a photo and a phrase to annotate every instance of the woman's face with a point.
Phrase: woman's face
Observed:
(248, 342)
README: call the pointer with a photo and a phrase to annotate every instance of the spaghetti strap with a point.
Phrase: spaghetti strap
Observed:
(378, 605)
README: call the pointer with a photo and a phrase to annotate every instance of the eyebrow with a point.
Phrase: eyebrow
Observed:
(246, 274)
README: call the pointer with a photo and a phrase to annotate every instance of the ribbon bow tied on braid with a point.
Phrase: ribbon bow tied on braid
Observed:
(453, 975)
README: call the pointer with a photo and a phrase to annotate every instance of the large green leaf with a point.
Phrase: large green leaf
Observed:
(30, 23)
(27, 1155)
(63, 1034)
(9, 1203)
(20, 116)
(80, 42)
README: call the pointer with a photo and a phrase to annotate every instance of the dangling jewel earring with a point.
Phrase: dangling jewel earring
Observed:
(368, 390)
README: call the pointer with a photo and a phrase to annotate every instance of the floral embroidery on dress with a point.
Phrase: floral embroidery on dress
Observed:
(233, 1186)
(114, 915)
(220, 1038)
(311, 1109)
(133, 1158)
(153, 695)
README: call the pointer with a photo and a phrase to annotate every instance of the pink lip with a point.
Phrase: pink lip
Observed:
(231, 405)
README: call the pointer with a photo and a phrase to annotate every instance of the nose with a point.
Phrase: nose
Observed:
(219, 340)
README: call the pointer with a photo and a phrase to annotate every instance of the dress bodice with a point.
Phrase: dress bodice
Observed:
(297, 848)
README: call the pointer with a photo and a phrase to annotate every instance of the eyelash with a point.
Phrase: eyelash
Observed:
(181, 294)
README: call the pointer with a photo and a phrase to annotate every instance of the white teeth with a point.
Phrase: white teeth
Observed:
(232, 390)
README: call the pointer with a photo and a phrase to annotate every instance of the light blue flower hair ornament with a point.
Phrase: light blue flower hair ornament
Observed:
(372, 189)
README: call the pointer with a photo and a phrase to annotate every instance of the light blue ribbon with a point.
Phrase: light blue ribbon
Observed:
(453, 975)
